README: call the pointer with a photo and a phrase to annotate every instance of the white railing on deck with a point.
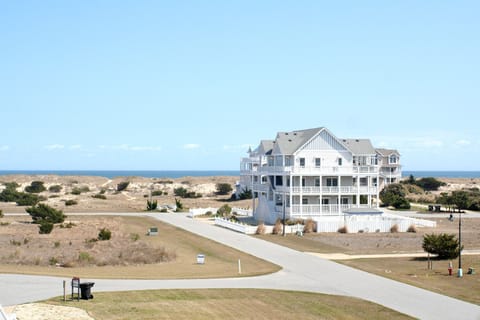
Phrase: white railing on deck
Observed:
(319, 170)
(334, 190)
(192, 213)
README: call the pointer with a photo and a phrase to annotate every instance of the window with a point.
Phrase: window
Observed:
(288, 161)
(317, 182)
(339, 161)
(325, 201)
(332, 182)
(302, 162)
(304, 182)
(318, 162)
(279, 181)
(255, 179)
(288, 181)
(304, 200)
(392, 159)
(374, 181)
(363, 182)
(278, 200)
(344, 200)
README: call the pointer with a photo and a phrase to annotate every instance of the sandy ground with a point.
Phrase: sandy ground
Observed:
(42, 311)
(139, 190)
(134, 198)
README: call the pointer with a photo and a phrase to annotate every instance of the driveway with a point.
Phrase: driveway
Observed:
(301, 272)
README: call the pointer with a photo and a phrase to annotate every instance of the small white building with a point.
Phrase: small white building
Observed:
(311, 173)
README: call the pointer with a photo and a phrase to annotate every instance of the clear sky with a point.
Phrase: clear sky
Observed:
(190, 85)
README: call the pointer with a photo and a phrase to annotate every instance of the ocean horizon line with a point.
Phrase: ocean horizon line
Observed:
(205, 173)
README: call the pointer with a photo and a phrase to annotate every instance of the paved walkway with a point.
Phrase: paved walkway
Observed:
(301, 271)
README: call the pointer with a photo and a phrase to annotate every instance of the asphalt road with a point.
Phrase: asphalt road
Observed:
(301, 272)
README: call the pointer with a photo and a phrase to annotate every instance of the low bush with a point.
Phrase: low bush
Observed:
(260, 229)
(71, 202)
(45, 227)
(343, 229)
(99, 196)
(278, 227)
(35, 187)
(104, 234)
(394, 228)
(157, 193)
(55, 188)
(1, 214)
(123, 185)
(223, 188)
(446, 246)
(412, 228)
(309, 226)
(224, 210)
(79, 190)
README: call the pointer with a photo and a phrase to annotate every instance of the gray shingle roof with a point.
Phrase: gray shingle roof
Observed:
(386, 152)
(359, 146)
(289, 142)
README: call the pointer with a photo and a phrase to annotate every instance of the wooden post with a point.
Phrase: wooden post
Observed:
(239, 267)
(64, 291)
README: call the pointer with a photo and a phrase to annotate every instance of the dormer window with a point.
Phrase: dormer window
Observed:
(392, 159)
(302, 162)
(340, 161)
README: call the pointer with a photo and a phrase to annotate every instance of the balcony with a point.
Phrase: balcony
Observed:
(318, 210)
(343, 170)
(333, 190)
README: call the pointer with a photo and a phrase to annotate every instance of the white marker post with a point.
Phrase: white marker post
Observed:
(239, 267)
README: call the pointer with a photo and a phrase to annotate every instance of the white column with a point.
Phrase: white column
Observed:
(321, 195)
(358, 191)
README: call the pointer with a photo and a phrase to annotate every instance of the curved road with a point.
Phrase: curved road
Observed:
(301, 271)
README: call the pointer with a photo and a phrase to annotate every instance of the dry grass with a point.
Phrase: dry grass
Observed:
(310, 226)
(260, 229)
(228, 304)
(129, 254)
(414, 271)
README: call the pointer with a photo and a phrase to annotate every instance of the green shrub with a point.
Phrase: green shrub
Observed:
(45, 227)
(223, 188)
(71, 202)
(122, 185)
(55, 188)
(446, 246)
(246, 194)
(44, 213)
(104, 234)
(99, 196)
(429, 184)
(1, 214)
(394, 195)
(134, 237)
(52, 261)
(157, 193)
(179, 205)
(35, 187)
(152, 205)
(224, 210)
(79, 190)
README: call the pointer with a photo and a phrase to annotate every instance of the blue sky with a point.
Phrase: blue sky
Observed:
(189, 85)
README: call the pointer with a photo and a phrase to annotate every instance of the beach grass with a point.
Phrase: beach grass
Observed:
(220, 260)
(227, 304)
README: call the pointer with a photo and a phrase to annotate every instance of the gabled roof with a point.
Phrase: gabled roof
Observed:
(359, 146)
(386, 152)
(289, 142)
(265, 147)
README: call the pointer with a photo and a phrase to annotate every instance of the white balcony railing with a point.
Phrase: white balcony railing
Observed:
(319, 170)
(298, 210)
(334, 190)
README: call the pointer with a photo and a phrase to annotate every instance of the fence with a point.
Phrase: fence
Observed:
(249, 229)
(192, 213)
(377, 223)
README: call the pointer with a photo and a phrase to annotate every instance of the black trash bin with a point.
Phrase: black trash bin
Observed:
(86, 290)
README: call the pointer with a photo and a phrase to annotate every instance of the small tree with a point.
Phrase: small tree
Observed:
(55, 188)
(246, 194)
(44, 213)
(429, 184)
(35, 187)
(152, 205)
(394, 195)
(460, 200)
(179, 205)
(446, 246)
(45, 227)
(224, 188)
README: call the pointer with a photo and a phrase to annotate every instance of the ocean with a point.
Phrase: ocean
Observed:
(207, 173)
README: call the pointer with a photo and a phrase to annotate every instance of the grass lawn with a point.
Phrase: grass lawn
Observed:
(228, 304)
(414, 271)
(220, 260)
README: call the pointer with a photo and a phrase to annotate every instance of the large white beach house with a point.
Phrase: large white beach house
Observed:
(311, 173)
